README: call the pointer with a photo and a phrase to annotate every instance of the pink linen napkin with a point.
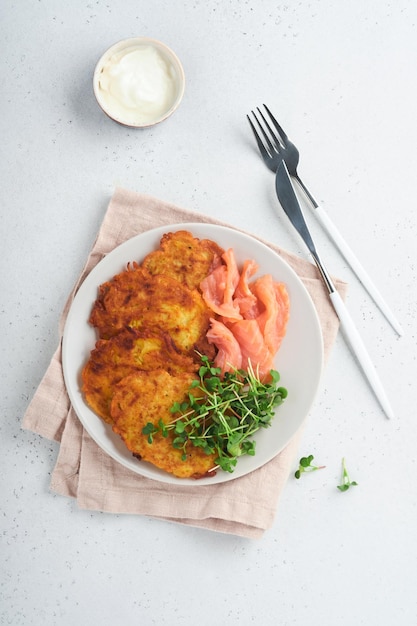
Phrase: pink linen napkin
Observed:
(245, 506)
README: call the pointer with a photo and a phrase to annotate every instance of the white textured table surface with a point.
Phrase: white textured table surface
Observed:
(341, 77)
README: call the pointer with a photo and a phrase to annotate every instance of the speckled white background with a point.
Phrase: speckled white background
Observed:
(341, 77)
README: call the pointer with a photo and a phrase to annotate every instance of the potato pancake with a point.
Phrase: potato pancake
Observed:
(147, 397)
(125, 353)
(152, 323)
(136, 299)
(184, 257)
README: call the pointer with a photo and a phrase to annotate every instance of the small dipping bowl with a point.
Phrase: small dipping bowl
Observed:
(139, 82)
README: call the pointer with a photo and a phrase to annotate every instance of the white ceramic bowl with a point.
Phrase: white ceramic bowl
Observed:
(139, 82)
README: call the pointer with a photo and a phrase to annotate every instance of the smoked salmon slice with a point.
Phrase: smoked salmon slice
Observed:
(250, 317)
(218, 288)
(273, 320)
(229, 355)
(253, 347)
(245, 298)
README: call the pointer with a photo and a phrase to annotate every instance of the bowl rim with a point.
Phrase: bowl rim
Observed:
(167, 52)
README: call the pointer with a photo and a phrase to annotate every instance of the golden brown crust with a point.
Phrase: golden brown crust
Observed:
(147, 397)
(127, 352)
(184, 257)
(158, 303)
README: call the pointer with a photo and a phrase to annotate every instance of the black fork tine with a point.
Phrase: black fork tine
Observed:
(281, 132)
(268, 150)
(276, 146)
(262, 149)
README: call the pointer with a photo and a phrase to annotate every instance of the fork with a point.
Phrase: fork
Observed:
(282, 149)
(290, 203)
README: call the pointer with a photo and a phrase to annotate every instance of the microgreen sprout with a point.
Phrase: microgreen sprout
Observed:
(346, 482)
(222, 413)
(306, 466)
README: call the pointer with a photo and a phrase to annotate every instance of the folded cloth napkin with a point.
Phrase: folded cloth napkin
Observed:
(245, 506)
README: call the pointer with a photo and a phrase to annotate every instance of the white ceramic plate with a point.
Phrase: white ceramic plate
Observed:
(299, 360)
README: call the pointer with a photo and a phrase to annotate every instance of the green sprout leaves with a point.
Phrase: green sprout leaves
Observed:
(346, 482)
(306, 466)
(222, 413)
(150, 430)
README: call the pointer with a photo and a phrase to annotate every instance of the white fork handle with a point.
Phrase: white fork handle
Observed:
(358, 348)
(357, 268)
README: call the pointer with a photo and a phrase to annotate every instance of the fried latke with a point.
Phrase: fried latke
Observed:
(184, 257)
(134, 298)
(152, 323)
(147, 397)
(125, 353)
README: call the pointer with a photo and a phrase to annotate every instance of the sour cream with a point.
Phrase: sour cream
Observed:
(138, 85)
